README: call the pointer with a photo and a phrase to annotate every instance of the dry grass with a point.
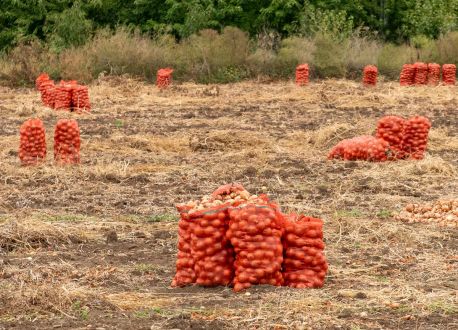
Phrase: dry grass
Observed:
(29, 233)
(144, 151)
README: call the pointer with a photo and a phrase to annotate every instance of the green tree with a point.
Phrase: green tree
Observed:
(68, 28)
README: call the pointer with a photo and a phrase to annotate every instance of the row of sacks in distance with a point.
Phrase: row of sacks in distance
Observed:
(421, 73)
(232, 237)
(66, 95)
(411, 74)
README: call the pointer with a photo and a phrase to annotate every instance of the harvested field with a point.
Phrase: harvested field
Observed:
(93, 246)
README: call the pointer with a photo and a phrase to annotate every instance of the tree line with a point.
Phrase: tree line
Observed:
(65, 23)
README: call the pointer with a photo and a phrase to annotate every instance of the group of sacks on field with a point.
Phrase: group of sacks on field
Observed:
(396, 138)
(234, 238)
(427, 74)
(64, 96)
(32, 147)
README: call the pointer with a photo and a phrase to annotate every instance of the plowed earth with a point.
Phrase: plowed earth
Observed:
(143, 151)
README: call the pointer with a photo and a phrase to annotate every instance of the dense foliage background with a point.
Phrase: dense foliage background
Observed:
(72, 22)
(221, 40)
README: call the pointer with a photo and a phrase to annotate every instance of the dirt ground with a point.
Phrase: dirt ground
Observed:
(143, 151)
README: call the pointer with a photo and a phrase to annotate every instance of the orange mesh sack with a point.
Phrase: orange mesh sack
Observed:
(67, 142)
(449, 74)
(212, 252)
(255, 231)
(421, 73)
(41, 79)
(185, 274)
(302, 74)
(434, 74)
(164, 77)
(415, 137)
(407, 76)
(361, 148)
(370, 75)
(63, 97)
(32, 147)
(47, 89)
(304, 264)
(391, 129)
(80, 98)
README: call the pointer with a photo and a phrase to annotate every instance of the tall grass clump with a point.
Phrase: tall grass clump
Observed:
(447, 47)
(24, 63)
(294, 51)
(117, 53)
(209, 56)
(393, 57)
(329, 57)
(361, 51)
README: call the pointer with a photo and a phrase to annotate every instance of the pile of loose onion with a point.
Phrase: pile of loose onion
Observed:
(443, 213)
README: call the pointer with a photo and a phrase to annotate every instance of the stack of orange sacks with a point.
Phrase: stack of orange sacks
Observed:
(370, 75)
(363, 147)
(233, 238)
(67, 142)
(449, 74)
(305, 265)
(65, 95)
(407, 77)
(302, 74)
(434, 74)
(32, 148)
(421, 73)
(164, 77)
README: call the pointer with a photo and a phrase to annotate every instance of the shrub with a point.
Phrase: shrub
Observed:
(25, 62)
(361, 51)
(212, 57)
(329, 57)
(447, 47)
(116, 54)
(392, 58)
(71, 28)
(426, 49)
(262, 62)
(294, 51)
